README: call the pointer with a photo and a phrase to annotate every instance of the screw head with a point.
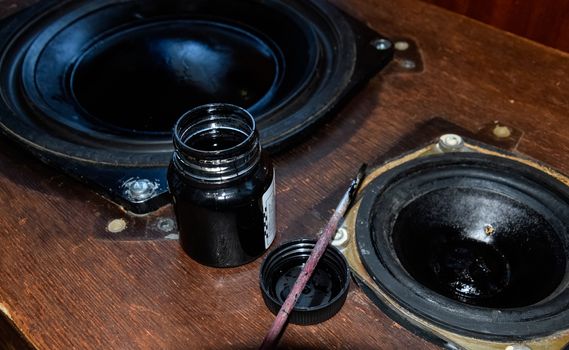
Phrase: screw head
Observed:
(401, 45)
(518, 347)
(381, 44)
(116, 225)
(502, 132)
(341, 238)
(139, 190)
(450, 142)
(166, 224)
(407, 64)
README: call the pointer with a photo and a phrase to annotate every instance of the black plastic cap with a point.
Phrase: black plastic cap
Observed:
(325, 292)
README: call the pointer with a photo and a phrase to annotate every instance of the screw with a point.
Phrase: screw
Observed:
(116, 225)
(381, 44)
(502, 132)
(450, 142)
(139, 190)
(517, 347)
(451, 346)
(341, 237)
(407, 64)
(165, 224)
(401, 45)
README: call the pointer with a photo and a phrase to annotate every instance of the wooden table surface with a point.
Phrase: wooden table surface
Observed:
(63, 286)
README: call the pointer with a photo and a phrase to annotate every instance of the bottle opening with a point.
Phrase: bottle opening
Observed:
(214, 128)
(216, 139)
(216, 142)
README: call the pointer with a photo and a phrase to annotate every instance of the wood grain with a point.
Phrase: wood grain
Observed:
(64, 287)
(544, 21)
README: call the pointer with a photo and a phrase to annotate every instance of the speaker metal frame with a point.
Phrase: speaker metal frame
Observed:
(415, 323)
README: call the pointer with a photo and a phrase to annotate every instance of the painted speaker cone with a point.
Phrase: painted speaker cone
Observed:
(468, 247)
(99, 84)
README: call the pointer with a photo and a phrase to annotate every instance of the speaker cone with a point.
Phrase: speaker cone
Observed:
(102, 82)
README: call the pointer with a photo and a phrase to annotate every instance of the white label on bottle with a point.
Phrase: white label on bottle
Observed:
(270, 214)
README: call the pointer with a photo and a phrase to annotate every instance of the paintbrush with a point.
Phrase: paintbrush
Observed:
(280, 321)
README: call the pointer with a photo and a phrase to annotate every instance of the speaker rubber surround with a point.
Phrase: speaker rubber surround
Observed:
(386, 196)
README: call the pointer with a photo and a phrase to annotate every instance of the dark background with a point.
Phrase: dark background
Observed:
(545, 21)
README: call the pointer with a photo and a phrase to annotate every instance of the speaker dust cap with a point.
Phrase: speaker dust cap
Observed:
(325, 292)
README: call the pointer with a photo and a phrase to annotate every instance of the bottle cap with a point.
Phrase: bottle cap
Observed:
(325, 292)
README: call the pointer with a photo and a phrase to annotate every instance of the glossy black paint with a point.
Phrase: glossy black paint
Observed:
(216, 140)
(90, 84)
(475, 244)
(221, 225)
(142, 79)
(320, 289)
(218, 177)
(479, 247)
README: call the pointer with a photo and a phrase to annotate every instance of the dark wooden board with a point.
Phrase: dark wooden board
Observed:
(64, 287)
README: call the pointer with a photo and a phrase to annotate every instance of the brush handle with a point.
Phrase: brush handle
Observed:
(272, 336)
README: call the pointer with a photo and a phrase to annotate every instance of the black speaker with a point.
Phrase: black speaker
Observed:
(95, 87)
(469, 247)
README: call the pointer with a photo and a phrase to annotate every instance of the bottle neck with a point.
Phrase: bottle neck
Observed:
(216, 143)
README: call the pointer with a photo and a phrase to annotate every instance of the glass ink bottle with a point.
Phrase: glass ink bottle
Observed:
(223, 186)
